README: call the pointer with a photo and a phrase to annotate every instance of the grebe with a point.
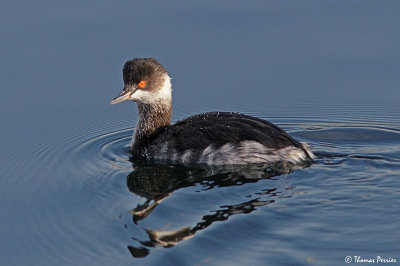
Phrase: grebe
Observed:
(215, 138)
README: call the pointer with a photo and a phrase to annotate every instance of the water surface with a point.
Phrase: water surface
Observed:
(328, 73)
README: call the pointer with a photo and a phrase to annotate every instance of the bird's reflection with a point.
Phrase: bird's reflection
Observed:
(156, 181)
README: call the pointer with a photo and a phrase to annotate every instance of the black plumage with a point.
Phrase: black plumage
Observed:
(198, 132)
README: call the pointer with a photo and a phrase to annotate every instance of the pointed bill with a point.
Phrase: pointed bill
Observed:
(123, 96)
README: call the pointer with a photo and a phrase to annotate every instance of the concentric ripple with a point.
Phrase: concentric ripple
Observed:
(103, 206)
(110, 149)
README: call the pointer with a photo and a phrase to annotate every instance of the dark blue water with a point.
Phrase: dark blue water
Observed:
(327, 72)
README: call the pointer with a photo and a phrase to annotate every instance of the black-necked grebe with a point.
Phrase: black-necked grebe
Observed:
(213, 138)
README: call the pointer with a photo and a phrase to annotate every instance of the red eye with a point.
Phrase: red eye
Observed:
(142, 84)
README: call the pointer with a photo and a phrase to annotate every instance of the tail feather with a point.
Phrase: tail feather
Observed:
(307, 148)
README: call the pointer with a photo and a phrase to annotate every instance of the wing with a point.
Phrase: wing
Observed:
(218, 128)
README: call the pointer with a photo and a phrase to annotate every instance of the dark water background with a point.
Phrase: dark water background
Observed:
(326, 71)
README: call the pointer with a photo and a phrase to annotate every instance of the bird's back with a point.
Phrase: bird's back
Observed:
(219, 137)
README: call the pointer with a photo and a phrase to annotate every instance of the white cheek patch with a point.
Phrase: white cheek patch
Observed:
(142, 96)
(149, 97)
